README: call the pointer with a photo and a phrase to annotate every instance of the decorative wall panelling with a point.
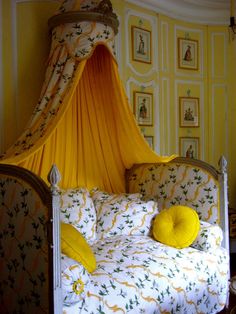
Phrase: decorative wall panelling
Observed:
(218, 101)
(197, 90)
(165, 113)
(195, 34)
(154, 40)
(218, 123)
(142, 77)
(164, 47)
(218, 68)
(134, 85)
(1, 87)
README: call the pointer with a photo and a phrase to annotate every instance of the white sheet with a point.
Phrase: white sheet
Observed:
(136, 274)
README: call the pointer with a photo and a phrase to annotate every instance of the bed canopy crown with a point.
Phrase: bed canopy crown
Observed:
(88, 130)
(102, 12)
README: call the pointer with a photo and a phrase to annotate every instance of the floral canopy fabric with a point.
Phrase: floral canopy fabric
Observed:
(82, 122)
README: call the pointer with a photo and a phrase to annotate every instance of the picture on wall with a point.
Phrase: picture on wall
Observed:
(189, 147)
(143, 108)
(141, 44)
(187, 54)
(149, 139)
(189, 112)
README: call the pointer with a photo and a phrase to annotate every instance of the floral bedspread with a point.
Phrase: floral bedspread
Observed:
(136, 274)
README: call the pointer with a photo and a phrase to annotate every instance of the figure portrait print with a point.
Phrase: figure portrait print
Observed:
(189, 147)
(187, 54)
(143, 108)
(141, 44)
(189, 112)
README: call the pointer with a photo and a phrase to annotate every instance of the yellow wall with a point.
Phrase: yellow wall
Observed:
(25, 47)
(212, 83)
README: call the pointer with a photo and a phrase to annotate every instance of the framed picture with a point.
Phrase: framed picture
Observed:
(187, 54)
(189, 147)
(143, 108)
(141, 44)
(188, 112)
(149, 139)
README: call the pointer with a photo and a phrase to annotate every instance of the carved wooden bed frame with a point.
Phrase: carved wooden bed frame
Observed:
(21, 191)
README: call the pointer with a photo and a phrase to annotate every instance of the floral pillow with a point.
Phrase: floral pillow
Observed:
(77, 209)
(75, 280)
(122, 214)
(209, 237)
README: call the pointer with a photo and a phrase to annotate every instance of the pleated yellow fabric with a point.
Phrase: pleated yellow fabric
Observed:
(94, 138)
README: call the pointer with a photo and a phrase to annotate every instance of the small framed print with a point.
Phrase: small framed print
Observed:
(187, 54)
(188, 112)
(189, 147)
(143, 108)
(141, 44)
(149, 139)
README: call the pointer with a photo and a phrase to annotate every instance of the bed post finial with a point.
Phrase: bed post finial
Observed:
(54, 177)
(222, 164)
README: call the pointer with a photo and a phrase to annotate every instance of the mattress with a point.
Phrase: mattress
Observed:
(136, 274)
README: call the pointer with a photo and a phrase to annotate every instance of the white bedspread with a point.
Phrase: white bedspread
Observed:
(136, 274)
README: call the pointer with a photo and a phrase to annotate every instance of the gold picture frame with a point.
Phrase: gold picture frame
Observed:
(143, 108)
(188, 54)
(189, 112)
(189, 147)
(150, 140)
(141, 44)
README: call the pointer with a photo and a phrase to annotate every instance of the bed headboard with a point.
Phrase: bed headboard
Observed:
(185, 181)
(26, 242)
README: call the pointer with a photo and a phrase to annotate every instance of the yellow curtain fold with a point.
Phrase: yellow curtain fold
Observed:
(94, 138)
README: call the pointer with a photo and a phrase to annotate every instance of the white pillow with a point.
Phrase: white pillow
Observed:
(123, 214)
(209, 237)
(77, 209)
(75, 280)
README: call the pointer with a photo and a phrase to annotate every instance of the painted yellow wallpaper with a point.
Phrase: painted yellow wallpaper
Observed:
(179, 78)
(25, 48)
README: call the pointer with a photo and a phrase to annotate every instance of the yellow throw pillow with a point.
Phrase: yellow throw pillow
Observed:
(74, 245)
(176, 226)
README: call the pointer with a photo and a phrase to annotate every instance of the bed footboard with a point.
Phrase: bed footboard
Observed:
(26, 242)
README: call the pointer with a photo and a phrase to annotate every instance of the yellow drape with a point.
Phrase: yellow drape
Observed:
(95, 138)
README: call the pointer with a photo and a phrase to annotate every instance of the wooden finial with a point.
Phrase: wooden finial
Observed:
(54, 176)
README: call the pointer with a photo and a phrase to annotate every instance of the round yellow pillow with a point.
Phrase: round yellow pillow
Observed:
(177, 226)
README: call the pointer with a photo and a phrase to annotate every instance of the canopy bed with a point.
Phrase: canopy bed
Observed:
(94, 244)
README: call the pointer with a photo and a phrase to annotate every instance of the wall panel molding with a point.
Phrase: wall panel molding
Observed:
(165, 116)
(213, 55)
(156, 105)
(130, 80)
(201, 52)
(164, 46)
(224, 125)
(201, 108)
(153, 21)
